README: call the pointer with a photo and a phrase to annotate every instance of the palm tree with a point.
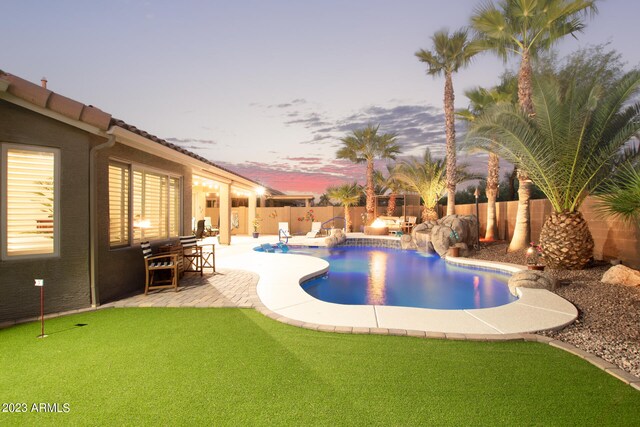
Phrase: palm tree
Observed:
(620, 197)
(450, 53)
(393, 185)
(480, 99)
(347, 195)
(568, 147)
(324, 200)
(364, 146)
(525, 28)
(428, 178)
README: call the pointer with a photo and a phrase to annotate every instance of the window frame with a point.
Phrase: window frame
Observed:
(57, 176)
(138, 167)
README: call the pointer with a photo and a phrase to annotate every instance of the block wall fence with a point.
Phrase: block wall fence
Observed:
(613, 239)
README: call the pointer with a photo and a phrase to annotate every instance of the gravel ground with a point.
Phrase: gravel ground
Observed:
(608, 324)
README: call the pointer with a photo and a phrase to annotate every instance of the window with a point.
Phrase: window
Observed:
(30, 211)
(118, 204)
(143, 205)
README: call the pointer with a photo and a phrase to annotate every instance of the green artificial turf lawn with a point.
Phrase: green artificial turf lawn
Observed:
(162, 366)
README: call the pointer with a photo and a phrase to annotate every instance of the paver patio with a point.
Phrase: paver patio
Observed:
(225, 288)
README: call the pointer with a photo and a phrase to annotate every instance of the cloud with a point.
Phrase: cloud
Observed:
(417, 126)
(300, 175)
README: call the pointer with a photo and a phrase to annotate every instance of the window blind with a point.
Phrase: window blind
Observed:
(30, 202)
(118, 204)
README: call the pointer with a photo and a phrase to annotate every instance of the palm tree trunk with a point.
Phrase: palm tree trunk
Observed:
(429, 214)
(450, 130)
(525, 84)
(370, 193)
(493, 178)
(347, 218)
(522, 231)
(391, 207)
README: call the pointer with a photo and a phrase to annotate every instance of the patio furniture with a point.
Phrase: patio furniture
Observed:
(196, 259)
(208, 226)
(153, 263)
(200, 230)
(409, 223)
(316, 229)
(393, 223)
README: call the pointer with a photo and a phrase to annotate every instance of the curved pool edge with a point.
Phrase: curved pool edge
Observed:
(280, 291)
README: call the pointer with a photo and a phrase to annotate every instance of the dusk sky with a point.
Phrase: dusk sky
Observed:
(266, 88)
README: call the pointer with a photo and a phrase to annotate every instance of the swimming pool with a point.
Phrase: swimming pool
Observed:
(382, 276)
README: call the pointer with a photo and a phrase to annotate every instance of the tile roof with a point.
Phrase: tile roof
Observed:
(45, 98)
(42, 97)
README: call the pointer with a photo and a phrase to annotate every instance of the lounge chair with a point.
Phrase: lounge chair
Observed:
(316, 229)
(152, 263)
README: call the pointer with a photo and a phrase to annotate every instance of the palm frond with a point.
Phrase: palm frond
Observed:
(573, 140)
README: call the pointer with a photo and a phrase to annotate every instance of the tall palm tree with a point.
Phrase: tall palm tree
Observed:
(450, 53)
(365, 146)
(525, 28)
(347, 195)
(427, 177)
(568, 147)
(480, 99)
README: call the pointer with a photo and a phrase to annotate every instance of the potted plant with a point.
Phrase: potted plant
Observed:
(256, 226)
(534, 254)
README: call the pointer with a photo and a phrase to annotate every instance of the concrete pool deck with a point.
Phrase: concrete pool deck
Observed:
(279, 290)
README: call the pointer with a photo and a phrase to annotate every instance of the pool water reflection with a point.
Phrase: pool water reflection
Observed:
(381, 276)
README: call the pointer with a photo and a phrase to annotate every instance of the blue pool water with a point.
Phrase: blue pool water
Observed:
(382, 276)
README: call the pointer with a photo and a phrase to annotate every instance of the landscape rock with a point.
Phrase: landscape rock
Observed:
(439, 235)
(532, 279)
(337, 236)
(407, 243)
(621, 275)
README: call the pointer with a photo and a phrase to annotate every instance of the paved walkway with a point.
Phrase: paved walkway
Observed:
(225, 288)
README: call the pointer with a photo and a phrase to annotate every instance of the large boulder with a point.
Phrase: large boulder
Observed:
(532, 279)
(440, 235)
(621, 275)
(337, 236)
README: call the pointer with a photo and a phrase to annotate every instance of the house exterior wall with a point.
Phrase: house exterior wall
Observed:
(120, 271)
(66, 277)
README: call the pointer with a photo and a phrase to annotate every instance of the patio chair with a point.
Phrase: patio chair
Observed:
(200, 229)
(409, 223)
(316, 229)
(196, 259)
(192, 254)
(154, 263)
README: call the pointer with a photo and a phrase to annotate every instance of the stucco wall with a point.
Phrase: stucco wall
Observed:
(67, 276)
(120, 271)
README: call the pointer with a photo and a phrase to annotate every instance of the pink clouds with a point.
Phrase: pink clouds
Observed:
(294, 177)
